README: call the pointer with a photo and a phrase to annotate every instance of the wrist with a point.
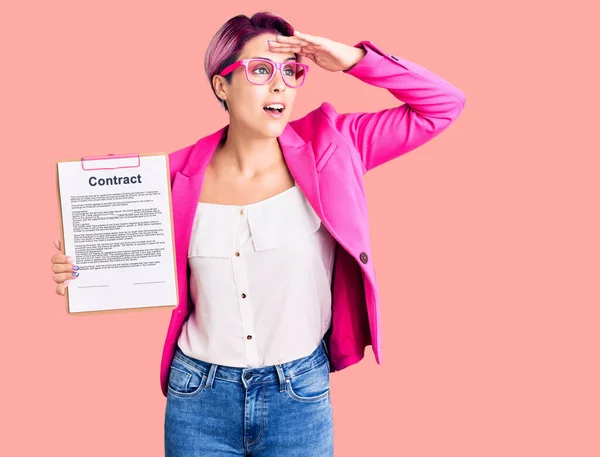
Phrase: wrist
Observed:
(359, 53)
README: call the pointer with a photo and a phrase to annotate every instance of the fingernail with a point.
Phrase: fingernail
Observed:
(70, 260)
(66, 283)
(75, 273)
(75, 267)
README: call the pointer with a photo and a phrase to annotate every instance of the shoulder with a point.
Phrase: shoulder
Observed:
(323, 128)
(317, 121)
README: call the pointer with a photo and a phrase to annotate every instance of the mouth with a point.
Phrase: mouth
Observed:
(274, 109)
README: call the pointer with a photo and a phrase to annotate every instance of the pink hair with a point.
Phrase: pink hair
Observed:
(226, 45)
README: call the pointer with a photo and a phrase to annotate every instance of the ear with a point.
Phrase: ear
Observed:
(220, 86)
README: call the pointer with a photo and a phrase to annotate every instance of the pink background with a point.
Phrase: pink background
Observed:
(485, 240)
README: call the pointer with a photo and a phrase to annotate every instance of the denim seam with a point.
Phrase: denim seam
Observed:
(317, 365)
(189, 364)
(196, 392)
(297, 397)
(188, 377)
(262, 414)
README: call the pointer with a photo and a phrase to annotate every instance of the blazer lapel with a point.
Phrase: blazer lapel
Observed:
(300, 159)
(185, 194)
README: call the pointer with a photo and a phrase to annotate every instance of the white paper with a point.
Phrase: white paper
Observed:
(117, 226)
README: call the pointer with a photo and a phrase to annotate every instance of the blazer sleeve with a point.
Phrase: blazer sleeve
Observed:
(431, 105)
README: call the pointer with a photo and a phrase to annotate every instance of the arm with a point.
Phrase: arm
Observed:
(431, 105)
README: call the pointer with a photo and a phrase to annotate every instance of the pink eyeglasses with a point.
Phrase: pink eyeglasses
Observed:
(261, 71)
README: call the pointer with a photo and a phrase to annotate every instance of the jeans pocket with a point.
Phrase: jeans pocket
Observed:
(310, 386)
(185, 380)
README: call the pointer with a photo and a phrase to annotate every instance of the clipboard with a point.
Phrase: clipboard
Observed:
(112, 162)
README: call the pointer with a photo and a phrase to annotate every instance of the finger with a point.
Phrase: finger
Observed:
(315, 40)
(62, 288)
(62, 277)
(277, 44)
(61, 258)
(290, 39)
(57, 243)
(287, 48)
(308, 56)
(64, 268)
(284, 47)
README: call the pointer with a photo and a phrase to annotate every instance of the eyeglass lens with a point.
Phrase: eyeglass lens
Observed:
(259, 72)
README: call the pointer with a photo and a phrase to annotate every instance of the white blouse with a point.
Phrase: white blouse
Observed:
(260, 282)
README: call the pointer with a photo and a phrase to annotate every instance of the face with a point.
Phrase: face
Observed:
(246, 101)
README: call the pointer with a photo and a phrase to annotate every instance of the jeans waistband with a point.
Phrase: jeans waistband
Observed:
(258, 374)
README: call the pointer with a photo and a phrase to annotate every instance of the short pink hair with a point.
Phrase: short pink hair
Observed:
(226, 45)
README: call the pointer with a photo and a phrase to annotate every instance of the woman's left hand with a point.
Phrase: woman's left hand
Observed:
(328, 54)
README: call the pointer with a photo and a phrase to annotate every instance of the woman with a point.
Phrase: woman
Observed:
(275, 275)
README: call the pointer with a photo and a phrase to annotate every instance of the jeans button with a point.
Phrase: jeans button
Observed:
(248, 375)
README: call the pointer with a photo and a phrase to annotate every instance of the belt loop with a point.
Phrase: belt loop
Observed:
(281, 378)
(211, 375)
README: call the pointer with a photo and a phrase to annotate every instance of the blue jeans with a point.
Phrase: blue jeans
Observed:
(279, 410)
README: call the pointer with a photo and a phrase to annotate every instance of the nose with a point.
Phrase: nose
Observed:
(277, 82)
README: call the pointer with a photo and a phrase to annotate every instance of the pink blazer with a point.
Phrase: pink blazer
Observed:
(327, 154)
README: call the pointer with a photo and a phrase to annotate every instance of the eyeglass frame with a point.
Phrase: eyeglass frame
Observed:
(277, 65)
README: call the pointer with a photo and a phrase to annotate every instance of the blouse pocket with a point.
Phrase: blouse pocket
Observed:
(288, 223)
(212, 233)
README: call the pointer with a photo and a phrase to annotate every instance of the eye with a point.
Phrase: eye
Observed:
(261, 69)
(292, 69)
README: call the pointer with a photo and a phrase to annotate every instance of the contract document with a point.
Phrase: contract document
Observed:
(117, 224)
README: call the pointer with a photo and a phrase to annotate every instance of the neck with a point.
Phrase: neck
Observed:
(247, 152)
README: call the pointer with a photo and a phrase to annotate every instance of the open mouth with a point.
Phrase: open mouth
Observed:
(275, 110)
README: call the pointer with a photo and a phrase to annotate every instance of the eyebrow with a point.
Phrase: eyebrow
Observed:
(266, 58)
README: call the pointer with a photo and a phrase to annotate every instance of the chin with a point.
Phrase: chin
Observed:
(274, 130)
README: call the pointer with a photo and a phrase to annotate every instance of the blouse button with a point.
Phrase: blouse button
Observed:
(249, 337)
(237, 254)
(363, 257)
(243, 295)
(241, 212)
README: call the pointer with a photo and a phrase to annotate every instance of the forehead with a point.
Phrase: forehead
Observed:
(258, 46)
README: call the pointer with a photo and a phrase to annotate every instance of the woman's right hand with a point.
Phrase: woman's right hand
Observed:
(63, 268)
